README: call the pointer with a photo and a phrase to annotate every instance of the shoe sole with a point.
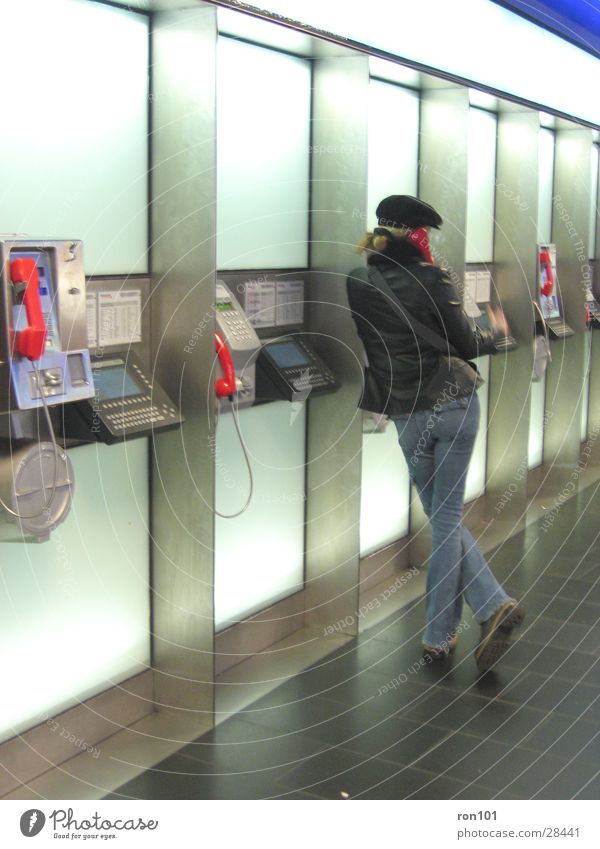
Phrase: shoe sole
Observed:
(497, 642)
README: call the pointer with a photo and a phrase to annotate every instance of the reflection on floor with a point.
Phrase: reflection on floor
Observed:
(374, 721)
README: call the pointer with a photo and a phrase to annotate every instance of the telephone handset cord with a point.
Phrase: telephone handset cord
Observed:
(543, 321)
(55, 452)
(248, 466)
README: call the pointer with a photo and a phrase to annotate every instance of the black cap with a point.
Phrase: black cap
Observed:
(405, 211)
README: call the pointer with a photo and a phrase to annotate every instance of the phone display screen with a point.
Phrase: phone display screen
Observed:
(287, 355)
(115, 382)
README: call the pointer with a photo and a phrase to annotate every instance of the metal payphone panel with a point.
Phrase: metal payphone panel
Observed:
(242, 341)
(477, 299)
(64, 364)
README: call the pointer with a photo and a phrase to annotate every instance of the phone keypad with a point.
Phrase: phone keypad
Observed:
(236, 327)
(130, 414)
(559, 329)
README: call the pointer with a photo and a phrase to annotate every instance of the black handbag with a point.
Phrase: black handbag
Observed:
(454, 376)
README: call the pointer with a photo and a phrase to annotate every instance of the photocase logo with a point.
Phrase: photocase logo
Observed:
(32, 822)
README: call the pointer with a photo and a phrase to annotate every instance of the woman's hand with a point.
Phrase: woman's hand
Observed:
(498, 319)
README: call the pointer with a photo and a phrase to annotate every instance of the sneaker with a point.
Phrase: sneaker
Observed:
(434, 653)
(495, 634)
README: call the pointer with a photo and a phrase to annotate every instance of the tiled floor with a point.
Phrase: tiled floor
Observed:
(372, 721)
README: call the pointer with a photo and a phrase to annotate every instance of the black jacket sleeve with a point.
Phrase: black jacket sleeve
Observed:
(455, 326)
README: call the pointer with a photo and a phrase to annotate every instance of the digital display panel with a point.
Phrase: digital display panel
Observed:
(225, 307)
(287, 355)
(115, 382)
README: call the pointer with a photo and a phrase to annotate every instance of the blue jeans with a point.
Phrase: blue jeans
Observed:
(438, 447)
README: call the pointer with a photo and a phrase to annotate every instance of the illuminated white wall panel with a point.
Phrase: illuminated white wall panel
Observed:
(393, 143)
(498, 48)
(545, 185)
(76, 610)
(593, 201)
(476, 476)
(385, 491)
(481, 173)
(259, 556)
(263, 157)
(73, 149)
(535, 451)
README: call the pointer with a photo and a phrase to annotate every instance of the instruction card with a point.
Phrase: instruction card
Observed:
(477, 290)
(91, 305)
(117, 317)
(271, 303)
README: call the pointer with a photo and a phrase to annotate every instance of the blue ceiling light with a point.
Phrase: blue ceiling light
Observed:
(577, 21)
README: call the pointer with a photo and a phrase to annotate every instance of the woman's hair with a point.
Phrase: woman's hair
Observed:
(379, 241)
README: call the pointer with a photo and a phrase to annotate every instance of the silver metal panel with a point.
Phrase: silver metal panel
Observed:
(443, 184)
(384, 564)
(334, 426)
(258, 632)
(183, 263)
(514, 277)
(570, 228)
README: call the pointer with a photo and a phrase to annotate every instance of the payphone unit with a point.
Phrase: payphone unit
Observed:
(43, 337)
(44, 362)
(284, 368)
(548, 293)
(477, 301)
(248, 371)
(237, 346)
(592, 307)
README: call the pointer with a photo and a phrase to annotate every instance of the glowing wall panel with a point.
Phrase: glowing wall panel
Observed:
(385, 491)
(393, 143)
(476, 476)
(74, 148)
(259, 556)
(593, 200)
(263, 157)
(76, 610)
(535, 450)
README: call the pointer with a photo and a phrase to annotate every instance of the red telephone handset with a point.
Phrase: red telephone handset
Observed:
(420, 239)
(31, 341)
(225, 386)
(546, 263)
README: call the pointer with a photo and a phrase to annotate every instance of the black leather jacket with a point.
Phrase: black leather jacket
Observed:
(401, 361)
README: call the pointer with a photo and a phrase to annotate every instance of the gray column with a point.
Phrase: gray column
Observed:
(515, 239)
(339, 192)
(570, 228)
(183, 264)
(443, 149)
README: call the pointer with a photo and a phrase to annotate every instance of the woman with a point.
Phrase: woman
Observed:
(437, 437)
